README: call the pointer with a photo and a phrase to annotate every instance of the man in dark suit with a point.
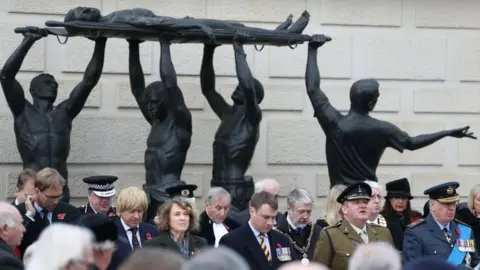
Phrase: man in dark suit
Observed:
(100, 193)
(297, 225)
(214, 222)
(45, 207)
(261, 246)
(25, 186)
(132, 203)
(11, 232)
(440, 235)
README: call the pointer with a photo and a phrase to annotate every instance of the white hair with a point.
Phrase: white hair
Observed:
(217, 192)
(58, 244)
(375, 256)
(259, 185)
(222, 258)
(378, 186)
(299, 195)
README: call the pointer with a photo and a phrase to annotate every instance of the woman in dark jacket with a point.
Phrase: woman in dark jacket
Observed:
(398, 210)
(469, 213)
(175, 220)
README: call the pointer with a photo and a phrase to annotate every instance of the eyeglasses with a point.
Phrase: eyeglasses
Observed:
(53, 198)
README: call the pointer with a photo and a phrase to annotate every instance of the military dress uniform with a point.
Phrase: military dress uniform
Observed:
(428, 238)
(102, 186)
(337, 243)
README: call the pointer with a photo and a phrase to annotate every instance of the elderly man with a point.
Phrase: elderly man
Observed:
(214, 222)
(11, 235)
(100, 193)
(375, 256)
(268, 185)
(297, 226)
(439, 234)
(337, 243)
(375, 204)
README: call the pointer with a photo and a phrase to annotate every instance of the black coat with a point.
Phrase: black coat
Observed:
(8, 258)
(206, 229)
(195, 243)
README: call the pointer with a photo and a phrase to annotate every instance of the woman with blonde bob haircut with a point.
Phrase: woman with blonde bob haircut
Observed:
(331, 214)
(469, 212)
(175, 221)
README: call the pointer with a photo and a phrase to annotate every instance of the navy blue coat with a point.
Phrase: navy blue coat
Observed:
(425, 239)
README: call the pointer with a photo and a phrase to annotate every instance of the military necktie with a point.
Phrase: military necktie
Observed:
(447, 235)
(135, 242)
(264, 247)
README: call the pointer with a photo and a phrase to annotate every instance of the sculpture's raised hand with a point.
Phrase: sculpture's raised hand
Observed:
(318, 41)
(463, 133)
(34, 33)
(241, 36)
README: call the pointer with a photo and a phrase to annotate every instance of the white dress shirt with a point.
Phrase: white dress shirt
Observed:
(362, 232)
(219, 230)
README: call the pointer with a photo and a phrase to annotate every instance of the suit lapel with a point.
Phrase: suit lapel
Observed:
(372, 234)
(435, 229)
(122, 236)
(141, 232)
(273, 248)
(253, 246)
(453, 231)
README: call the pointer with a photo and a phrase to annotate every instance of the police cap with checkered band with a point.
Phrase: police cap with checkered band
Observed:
(101, 185)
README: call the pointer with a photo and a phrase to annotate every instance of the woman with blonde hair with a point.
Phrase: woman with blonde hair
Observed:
(469, 212)
(175, 220)
(331, 212)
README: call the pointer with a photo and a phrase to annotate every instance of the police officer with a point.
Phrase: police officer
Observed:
(439, 234)
(100, 192)
(183, 190)
(338, 242)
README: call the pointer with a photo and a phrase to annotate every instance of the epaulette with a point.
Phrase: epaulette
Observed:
(461, 222)
(414, 224)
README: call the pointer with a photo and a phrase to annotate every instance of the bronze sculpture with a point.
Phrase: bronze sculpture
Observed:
(239, 130)
(42, 131)
(355, 142)
(163, 106)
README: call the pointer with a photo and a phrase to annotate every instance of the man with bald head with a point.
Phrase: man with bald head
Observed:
(268, 185)
(11, 234)
(300, 266)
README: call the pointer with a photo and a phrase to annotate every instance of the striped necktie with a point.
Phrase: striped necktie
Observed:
(264, 247)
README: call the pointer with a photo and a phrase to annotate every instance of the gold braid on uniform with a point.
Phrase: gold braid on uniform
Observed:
(304, 249)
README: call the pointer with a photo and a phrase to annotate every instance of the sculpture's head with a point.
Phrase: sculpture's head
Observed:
(87, 14)
(44, 87)
(237, 95)
(364, 95)
(157, 99)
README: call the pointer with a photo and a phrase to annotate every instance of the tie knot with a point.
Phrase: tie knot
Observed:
(261, 235)
(134, 230)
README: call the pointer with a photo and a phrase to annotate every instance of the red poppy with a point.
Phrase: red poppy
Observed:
(278, 245)
(61, 216)
(148, 236)
(457, 230)
(196, 251)
(112, 214)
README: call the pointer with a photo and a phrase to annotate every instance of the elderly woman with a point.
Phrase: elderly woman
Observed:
(398, 210)
(331, 214)
(469, 212)
(175, 220)
(375, 204)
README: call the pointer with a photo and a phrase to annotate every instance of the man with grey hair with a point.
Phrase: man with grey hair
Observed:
(375, 256)
(297, 226)
(268, 185)
(300, 266)
(214, 221)
(376, 203)
(222, 258)
(11, 234)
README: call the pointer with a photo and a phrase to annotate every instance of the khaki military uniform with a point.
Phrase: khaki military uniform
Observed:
(338, 242)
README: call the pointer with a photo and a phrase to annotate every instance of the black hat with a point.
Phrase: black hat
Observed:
(184, 190)
(359, 190)
(398, 188)
(101, 185)
(103, 228)
(444, 193)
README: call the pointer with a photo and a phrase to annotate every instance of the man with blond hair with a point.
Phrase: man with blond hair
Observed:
(132, 202)
(44, 207)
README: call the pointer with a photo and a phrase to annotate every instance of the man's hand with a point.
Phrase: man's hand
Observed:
(318, 41)
(462, 133)
(34, 33)
(29, 204)
(241, 36)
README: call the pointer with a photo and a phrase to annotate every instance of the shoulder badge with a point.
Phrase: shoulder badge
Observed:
(416, 223)
(461, 222)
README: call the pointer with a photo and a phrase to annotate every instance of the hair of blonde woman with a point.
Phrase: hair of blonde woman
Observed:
(331, 212)
(474, 192)
(54, 249)
(47, 178)
(130, 199)
(162, 220)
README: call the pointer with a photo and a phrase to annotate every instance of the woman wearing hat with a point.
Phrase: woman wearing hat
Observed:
(398, 211)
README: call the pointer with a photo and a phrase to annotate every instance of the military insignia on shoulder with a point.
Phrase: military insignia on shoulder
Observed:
(416, 223)
(461, 222)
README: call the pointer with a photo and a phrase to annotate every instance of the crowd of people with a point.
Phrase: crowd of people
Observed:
(364, 225)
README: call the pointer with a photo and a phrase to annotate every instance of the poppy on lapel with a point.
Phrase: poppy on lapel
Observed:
(61, 216)
(457, 230)
(148, 236)
(112, 214)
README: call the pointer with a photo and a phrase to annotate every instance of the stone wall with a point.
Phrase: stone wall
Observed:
(426, 56)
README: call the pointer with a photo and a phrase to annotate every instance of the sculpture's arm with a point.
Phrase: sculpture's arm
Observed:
(137, 78)
(183, 116)
(246, 82)
(400, 140)
(12, 89)
(324, 111)
(420, 141)
(80, 93)
(207, 83)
